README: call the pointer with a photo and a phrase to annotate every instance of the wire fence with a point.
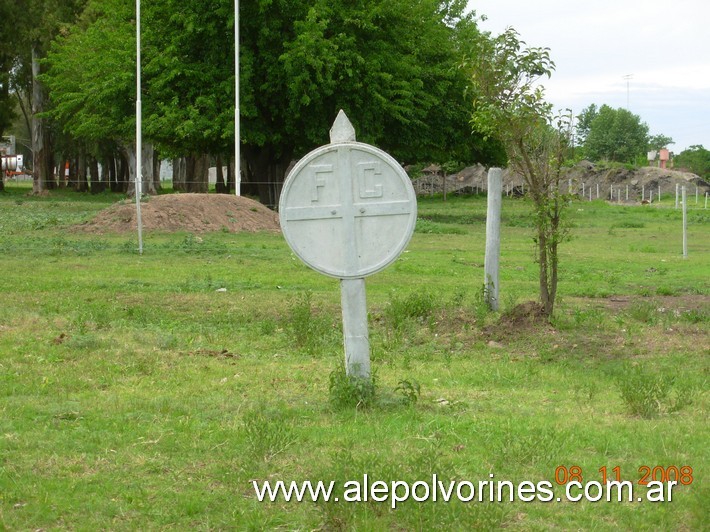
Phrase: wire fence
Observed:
(22, 227)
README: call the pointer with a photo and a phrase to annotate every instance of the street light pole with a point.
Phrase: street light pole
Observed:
(138, 184)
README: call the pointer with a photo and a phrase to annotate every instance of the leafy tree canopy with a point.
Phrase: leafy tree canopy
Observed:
(90, 76)
(613, 134)
(696, 159)
(656, 142)
(390, 64)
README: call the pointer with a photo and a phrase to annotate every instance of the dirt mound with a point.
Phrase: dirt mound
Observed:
(196, 213)
(642, 180)
(516, 321)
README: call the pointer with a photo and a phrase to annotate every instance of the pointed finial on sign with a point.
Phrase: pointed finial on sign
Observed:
(342, 130)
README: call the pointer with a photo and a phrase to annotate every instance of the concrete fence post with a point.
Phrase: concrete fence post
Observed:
(495, 192)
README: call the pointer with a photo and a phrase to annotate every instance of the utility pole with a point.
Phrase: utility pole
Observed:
(237, 143)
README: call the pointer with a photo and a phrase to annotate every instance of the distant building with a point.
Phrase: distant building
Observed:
(7, 145)
(659, 158)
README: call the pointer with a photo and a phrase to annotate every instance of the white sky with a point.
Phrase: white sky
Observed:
(665, 46)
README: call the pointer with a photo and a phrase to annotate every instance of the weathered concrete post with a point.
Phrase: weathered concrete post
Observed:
(677, 189)
(355, 334)
(495, 193)
(348, 210)
(685, 224)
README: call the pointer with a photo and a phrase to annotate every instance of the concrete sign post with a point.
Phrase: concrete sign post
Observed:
(490, 265)
(348, 210)
(685, 223)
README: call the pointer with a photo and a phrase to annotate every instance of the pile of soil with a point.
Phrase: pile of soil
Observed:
(196, 213)
(643, 179)
(518, 321)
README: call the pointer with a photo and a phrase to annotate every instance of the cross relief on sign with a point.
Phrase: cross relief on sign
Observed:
(348, 210)
(350, 196)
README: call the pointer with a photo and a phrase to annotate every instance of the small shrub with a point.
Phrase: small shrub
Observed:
(417, 305)
(267, 431)
(349, 391)
(310, 331)
(480, 304)
(643, 311)
(648, 395)
(666, 291)
(409, 390)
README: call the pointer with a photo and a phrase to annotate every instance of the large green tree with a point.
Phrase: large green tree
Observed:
(656, 142)
(7, 56)
(696, 159)
(390, 64)
(613, 134)
(91, 79)
(37, 22)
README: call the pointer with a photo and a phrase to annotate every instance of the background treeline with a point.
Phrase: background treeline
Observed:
(392, 65)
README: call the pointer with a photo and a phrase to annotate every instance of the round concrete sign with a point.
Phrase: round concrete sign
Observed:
(348, 210)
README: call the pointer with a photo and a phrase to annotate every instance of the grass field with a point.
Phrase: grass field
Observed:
(148, 392)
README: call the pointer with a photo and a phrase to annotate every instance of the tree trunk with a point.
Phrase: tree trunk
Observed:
(129, 151)
(220, 187)
(156, 171)
(230, 177)
(82, 184)
(198, 174)
(180, 174)
(123, 173)
(547, 303)
(147, 176)
(71, 173)
(267, 171)
(51, 182)
(39, 158)
(114, 166)
(97, 185)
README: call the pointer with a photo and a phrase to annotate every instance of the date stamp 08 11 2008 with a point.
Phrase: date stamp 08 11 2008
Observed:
(682, 475)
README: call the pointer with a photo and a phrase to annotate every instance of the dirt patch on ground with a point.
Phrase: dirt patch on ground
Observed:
(516, 321)
(676, 304)
(196, 213)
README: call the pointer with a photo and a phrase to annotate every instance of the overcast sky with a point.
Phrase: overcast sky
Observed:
(664, 46)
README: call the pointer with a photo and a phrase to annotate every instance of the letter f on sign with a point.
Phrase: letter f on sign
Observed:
(319, 180)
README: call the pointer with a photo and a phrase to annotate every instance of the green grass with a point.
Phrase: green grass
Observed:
(135, 395)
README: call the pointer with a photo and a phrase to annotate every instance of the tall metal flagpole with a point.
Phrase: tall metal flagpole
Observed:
(138, 184)
(237, 155)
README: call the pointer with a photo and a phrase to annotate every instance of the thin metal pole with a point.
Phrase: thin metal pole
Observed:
(237, 139)
(138, 184)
